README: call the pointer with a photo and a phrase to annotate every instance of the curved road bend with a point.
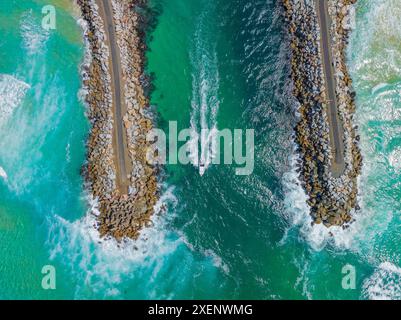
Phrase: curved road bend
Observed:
(336, 127)
(119, 137)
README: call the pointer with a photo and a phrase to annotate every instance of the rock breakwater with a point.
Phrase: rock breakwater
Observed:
(332, 199)
(120, 215)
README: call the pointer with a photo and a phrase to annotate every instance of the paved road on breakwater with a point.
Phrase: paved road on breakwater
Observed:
(119, 138)
(336, 127)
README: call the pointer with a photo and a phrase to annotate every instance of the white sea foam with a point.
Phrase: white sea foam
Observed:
(103, 263)
(379, 87)
(208, 253)
(297, 210)
(377, 42)
(317, 235)
(12, 92)
(217, 261)
(372, 68)
(68, 153)
(33, 128)
(33, 35)
(384, 284)
(87, 61)
(303, 279)
(3, 174)
(395, 159)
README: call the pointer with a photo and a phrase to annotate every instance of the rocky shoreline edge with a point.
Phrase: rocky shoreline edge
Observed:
(332, 200)
(119, 215)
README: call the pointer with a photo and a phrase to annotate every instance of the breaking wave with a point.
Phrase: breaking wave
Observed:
(384, 284)
(104, 263)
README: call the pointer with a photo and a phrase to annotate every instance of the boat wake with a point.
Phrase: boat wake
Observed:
(205, 100)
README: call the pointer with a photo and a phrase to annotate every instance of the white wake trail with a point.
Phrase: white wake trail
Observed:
(205, 101)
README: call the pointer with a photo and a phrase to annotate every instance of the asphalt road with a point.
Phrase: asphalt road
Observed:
(120, 144)
(336, 127)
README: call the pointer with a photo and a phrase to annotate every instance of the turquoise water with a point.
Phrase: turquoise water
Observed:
(221, 64)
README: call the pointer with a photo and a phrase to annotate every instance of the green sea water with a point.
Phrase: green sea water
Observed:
(215, 64)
